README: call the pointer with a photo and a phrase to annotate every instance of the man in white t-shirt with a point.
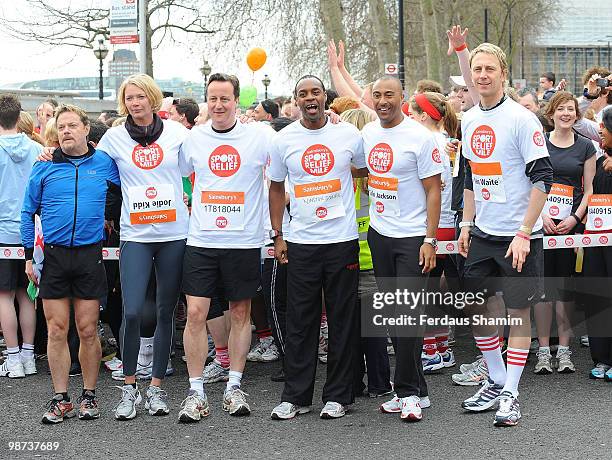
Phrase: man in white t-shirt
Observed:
(225, 237)
(404, 166)
(315, 156)
(508, 177)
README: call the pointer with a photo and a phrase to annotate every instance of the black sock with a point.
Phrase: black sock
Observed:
(64, 396)
(132, 384)
(88, 392)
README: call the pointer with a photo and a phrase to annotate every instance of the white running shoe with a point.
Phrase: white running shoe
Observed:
(234, 402)
(215, 372)
(333, 410)
(193, 408)
(29, 366)
(271, 354)
(130, 398)
(12, 371)
(393, 406)
(464, 368)
(432, 362)
(259, 349)
(448, 358)
(565, 364)
(286, 411)
(472, 377)
(114, 364)
(142, 372)
(411, 409)
(543, 366)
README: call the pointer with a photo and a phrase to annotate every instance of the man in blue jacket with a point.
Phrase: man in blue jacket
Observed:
(69, 192)
(17, 155)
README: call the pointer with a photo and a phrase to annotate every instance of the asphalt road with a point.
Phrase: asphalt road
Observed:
(564, 416)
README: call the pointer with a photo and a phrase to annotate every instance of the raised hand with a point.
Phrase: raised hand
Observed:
(341, 54)
(456, 38)
(332, 57)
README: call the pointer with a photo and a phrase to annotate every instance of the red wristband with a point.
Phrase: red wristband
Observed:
(523, 236)
(461, 48)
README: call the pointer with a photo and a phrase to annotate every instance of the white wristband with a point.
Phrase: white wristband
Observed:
(466, 224)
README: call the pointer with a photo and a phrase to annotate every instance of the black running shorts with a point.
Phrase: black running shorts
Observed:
(486, 267)
(73, 272)
(12, 272)
(238, 271)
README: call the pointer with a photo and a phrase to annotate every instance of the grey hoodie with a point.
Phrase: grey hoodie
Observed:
(17, 155)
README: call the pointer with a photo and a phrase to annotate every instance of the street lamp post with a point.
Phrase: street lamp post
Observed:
(101, 52)
(205, 69)
(266, 83)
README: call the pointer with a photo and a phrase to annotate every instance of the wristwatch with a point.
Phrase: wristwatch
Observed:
(466, 224)
(432, 241)
(274, 234)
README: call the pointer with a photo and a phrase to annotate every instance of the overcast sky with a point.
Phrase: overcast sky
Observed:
(24, 61)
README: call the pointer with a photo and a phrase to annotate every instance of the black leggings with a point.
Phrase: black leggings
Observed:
(137, 261)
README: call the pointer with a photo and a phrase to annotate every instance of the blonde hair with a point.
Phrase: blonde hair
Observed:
(119, 121)
(74, 109)
(146, 84)
(50, 135)
(357, 117)
(440, 102)
(25, 125)
(344, 103)
(489, 48)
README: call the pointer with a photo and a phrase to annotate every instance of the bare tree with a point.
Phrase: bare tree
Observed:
(79, 26)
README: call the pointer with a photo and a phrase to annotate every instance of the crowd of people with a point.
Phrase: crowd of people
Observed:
(288, 219)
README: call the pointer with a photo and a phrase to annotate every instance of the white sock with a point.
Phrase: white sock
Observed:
(197, 384)
(516, 358)
(145, 353)
(13, 355)
(234, 379)
(27, 351)
(491, 351)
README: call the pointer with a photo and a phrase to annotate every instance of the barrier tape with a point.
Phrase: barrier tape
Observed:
(444, 247)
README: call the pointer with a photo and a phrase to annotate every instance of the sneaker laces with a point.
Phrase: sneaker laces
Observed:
(505, 403)
(127, 395)
(238, 394)
(53, 406)
(191, 401)
(87, 400)
(564, 355)
(259, 348)
(157, 394)
(543, 356)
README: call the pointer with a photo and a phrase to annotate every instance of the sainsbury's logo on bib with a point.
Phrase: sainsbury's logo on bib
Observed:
(380, 158)
(538, 138)
(224, 161)
(483, 141)
(148, 157)
(317, 160)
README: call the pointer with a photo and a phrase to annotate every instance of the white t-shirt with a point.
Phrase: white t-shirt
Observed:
(447, 215)
(398, 159)
(499, 143)
(153, 210)
(226, 209)
(317, 163)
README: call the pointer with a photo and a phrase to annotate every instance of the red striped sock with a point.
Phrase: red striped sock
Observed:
(489, 346)
(429, 346)
(222, 356)
(263, 333)
(442, 342)
(516, 359)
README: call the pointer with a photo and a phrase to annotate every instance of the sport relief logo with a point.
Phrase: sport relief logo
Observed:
(221, 222)
(380, 158)
(435, 156)
(7, 253)
(538, 138)
(148, 157)
(321, 212)
(598, 222)
(553, 211)
(486, 195)
(380, 207)
(586, 240)
(450, 246)
(151, 193)
(224, 161)
(483, 141)
(552, 243)
(569, 241)
(317, 160)
(603, 239)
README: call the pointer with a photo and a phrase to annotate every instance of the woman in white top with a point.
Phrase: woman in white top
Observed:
(154, 223)
(433, 111)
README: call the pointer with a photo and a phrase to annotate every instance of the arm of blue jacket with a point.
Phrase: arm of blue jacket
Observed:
(31, 203)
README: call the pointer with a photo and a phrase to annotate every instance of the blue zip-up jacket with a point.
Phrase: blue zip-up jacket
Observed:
(17, 155)
(70, 195)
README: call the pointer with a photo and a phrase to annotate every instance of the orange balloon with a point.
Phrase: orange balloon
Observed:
(256, 59)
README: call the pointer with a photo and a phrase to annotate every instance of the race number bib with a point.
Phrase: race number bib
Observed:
(383, 196)
(319, 201)
(222, 210)
(152, 204)
(488, 182)
(599, 215)
(559, 202)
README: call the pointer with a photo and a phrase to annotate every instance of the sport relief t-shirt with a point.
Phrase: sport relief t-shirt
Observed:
(151, 184)
(398, 159)
(447, 215)
(499, 143)
(568, 171)
(226, 210)
(317, 163)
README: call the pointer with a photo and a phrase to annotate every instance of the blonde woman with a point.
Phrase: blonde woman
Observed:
(25, 125)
